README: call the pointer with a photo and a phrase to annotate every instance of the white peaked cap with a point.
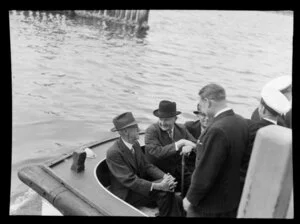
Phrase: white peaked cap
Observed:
(275, 100)
(280, 83)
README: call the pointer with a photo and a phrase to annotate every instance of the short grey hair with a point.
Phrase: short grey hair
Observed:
(213, 91)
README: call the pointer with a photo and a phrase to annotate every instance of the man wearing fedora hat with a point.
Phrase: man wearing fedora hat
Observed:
(272, 105)
(166, 140)
(133, 178)
(284, 85)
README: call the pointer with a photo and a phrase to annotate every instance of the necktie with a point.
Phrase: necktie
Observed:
(132, 150)
(170, 133)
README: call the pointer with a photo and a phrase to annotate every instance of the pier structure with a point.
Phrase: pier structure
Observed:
(136, 18)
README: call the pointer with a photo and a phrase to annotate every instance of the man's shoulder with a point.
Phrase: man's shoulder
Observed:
(191, 123)
(180, 126)
(152, 127)
(228, 121)
(113, 150)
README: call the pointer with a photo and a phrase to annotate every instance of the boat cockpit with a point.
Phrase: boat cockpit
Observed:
(103, 176)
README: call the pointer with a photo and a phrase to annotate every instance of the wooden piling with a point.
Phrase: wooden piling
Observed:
(137, 16)
(117, 14)
(133, 13)
(143, 16)
(269, 180)
(122, 14)
(127, 14)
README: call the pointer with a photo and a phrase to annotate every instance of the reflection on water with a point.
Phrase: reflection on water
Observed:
(71, 75)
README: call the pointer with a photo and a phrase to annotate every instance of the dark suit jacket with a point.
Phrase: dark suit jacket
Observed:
(253, 126)
(284, 121)
(194, 127)
(215, 182)
(130, 172)
(288, 119)
(160, 148)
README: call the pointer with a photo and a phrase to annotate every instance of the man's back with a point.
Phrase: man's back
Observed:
(218, 164)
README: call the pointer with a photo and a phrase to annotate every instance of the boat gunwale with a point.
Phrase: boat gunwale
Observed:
(54, 161)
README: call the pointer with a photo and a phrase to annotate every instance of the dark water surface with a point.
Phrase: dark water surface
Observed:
(71, 76)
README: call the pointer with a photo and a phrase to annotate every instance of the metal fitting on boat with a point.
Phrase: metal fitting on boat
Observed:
(78, 161)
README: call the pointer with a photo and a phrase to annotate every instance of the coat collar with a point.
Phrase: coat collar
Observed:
(266, 121)
(218, 117)
(223, 114)
(269, 120)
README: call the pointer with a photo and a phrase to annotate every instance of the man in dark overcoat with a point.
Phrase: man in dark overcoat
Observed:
(166, 141)
(133, 178)
(215, 182)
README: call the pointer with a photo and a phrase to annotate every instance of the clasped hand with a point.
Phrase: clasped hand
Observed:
(168, 183)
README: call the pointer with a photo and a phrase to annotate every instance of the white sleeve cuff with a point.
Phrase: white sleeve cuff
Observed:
(176, 147)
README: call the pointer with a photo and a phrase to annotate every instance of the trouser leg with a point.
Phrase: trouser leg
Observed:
(193, 211)
(168, 203)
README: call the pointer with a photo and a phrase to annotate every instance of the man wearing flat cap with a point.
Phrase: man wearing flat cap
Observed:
(273, 105)
(166, 141)
(133, 178)
(284, 85)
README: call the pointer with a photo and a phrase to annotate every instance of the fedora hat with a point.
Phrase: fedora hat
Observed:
(123, 121)
(166, 109)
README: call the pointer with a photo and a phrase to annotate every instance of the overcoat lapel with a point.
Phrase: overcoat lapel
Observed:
(127, 154)
(138, 157)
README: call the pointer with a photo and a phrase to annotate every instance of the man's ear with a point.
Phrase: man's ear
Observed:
(210, 103)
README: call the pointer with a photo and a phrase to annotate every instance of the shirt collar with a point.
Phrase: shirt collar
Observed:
(272, 121)
(127, 144)
(221, 111)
